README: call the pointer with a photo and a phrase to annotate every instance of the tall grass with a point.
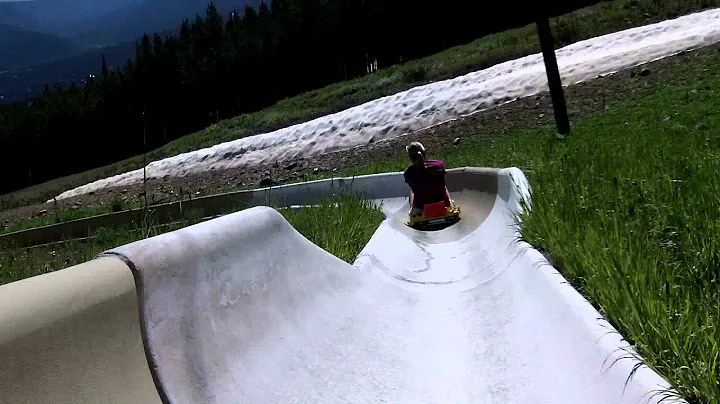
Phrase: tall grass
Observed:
(66, 215)
(629, 207)
(21, 263)
(584, 23)
(341, 225)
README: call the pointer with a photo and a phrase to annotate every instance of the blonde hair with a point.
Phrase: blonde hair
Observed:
(415, 150)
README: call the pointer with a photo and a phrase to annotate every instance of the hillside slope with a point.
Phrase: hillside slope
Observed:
(20, 47)
(146, 17)
(23, 83)
(606, 17)
(58, 17)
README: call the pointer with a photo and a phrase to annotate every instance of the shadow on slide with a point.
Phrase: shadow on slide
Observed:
(245, 309)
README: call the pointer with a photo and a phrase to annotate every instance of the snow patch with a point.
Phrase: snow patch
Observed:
(438, 102)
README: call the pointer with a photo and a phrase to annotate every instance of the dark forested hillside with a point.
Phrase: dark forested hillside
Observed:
(218, 66)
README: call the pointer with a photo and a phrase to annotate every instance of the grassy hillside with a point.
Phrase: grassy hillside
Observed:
(584, 23)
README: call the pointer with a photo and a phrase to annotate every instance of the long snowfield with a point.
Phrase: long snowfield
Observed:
(438, 102)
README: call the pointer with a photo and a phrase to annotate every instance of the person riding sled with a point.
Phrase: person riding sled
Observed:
(426, 179)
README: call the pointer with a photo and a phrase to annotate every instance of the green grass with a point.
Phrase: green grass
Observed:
(66, 215)
(21, 263)
(341, 225)
(588, 22)
(629, 207)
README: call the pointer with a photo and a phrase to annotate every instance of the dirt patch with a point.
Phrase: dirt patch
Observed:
(583, 99)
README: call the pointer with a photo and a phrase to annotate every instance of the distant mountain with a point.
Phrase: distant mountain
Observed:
(97, 23)
(21, 48)
(112, 34)
(147, 17)
(12, 16)
(24, 83)
(59, 17)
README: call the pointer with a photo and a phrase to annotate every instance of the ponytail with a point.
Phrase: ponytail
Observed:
(419, 161)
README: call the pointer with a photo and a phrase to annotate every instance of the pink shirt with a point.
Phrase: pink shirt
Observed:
(427, 185)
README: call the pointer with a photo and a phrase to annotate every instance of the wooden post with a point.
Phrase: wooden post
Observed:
(553, 74)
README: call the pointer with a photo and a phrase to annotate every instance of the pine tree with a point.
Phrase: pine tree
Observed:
(104, 69)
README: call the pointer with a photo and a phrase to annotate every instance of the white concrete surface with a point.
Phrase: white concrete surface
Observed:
(437, 102)
(244, 309)
(73, 336)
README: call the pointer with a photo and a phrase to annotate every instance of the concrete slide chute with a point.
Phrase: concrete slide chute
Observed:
(244, 309)
(73, 336)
